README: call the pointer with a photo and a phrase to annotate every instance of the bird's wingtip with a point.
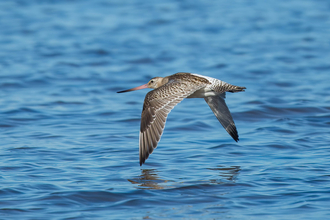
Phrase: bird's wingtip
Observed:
(234, 136)
(142, 160)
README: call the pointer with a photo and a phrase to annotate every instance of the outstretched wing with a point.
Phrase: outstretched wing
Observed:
(221, 111)
(157, 104)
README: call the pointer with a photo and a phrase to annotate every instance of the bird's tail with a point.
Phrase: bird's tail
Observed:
(232, 88)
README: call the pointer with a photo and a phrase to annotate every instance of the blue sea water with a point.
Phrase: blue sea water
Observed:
(69, 142)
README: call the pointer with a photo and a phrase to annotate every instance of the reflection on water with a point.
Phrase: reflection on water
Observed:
(149, 178)
(228, 173)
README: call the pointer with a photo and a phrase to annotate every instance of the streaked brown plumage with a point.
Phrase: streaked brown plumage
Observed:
(171, 90)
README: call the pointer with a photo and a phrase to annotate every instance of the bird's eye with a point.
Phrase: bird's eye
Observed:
(151, 81)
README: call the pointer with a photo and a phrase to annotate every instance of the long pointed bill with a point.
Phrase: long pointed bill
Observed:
(136, 88)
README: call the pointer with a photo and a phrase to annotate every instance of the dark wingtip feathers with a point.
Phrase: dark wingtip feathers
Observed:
(143, 158)
(232, 131)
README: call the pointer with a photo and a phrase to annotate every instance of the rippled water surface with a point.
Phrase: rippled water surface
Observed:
(69, 142)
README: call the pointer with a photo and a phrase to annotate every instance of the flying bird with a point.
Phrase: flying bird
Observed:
(168, 92)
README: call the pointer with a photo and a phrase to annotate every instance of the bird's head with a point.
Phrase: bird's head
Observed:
(154, 83)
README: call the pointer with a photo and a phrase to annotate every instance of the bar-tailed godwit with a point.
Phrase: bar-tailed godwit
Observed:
(168, 92)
